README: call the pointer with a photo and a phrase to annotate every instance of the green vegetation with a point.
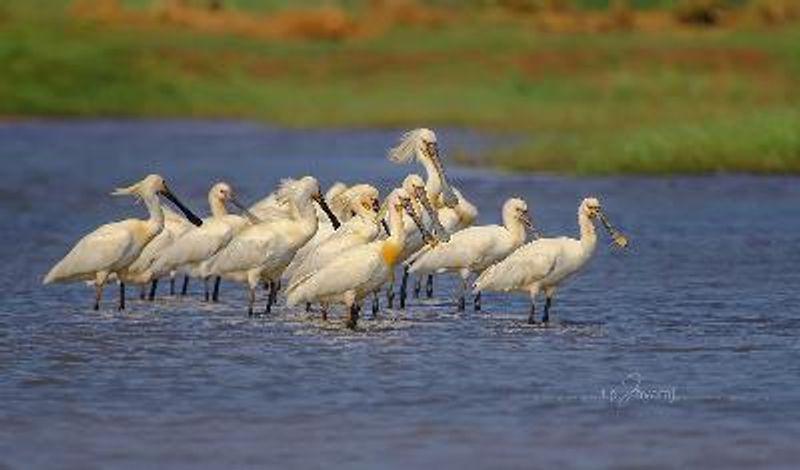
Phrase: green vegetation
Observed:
(685, 99)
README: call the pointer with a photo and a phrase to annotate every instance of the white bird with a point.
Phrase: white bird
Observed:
(111, 248)
(201, 243)
(361, 229)
(358, 272)
(261, 252)
(475, 248)
(421, 144)
(544, 264)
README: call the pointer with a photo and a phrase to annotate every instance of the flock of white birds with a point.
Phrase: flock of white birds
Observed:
(340, 248)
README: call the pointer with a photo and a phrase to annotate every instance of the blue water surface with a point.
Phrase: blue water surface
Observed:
(681, 352)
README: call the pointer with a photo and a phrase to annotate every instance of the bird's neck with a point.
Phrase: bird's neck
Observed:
(588, 233)
(516, 228)
(467, 213)
(306, 215)
(217, 207)
(156, 219)
(392, 247)
(433, 184)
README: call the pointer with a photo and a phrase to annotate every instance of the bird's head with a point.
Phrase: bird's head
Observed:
(402, 201)
(415, 188)
(149, 186)
(221, 192)
(422, 144)
(153, 185)
(517, 209)
(591, 207)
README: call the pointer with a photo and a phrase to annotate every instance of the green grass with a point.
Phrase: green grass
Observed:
(626, 102)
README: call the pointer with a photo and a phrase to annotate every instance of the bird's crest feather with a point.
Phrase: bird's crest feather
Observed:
(405, 150)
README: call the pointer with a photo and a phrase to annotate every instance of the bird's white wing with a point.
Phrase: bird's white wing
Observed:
(464, 248)
(246, 251)
(151, 251)
(194, 246)
(324, 253)
(97, 251)
(526, 265)
(172, 217)
(351, 269)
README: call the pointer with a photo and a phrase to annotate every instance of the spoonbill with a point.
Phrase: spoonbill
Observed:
(111, 248)
(475, 248)
(544, 264)
(261, 252)
(360, 271)
(199, 244)
(421, 144)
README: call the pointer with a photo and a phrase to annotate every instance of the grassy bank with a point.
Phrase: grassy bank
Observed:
(660, 98)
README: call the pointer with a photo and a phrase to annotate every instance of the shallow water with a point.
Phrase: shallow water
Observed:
(681, 352)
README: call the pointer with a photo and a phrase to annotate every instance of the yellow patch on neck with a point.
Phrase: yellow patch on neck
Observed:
(390, 252)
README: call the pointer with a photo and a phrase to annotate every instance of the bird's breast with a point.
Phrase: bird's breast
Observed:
(390, 252)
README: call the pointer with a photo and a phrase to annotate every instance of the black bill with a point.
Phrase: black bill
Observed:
(327, 210)
(186, 212)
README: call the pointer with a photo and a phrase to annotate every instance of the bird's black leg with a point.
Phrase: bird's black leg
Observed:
(215, 292)
(273, 295)
(98, 293)
(390, 296)
(417, 286)
(207, 293)
(352, 318)
(122, 296)
(276, 287)
(172, 285)
(404, 288)
(308, 307)
(376, 306)
(429, 286)
(532, 315)
(185, 286)
(477, 302)
(462, 299)
(546, 317)
(251, 301)
(153, 286)
(270, 297)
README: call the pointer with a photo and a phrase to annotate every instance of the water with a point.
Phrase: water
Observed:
(680, 352)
